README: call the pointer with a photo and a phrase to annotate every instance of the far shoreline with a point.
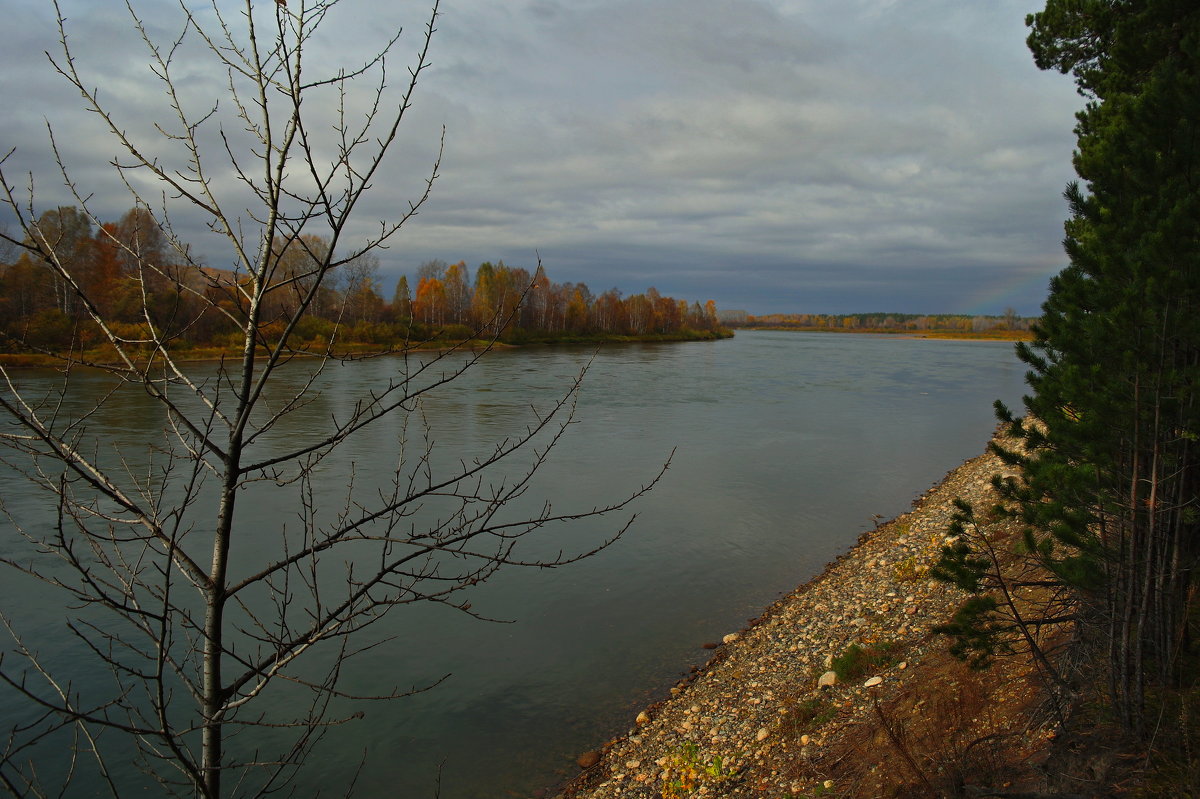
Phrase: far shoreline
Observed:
(944, 335)
(200, 354)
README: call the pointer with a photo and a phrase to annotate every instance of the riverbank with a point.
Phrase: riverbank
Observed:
(957, 335)
(902, 718)
(353, 350)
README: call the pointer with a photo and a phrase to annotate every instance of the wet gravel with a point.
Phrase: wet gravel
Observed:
(740, 726)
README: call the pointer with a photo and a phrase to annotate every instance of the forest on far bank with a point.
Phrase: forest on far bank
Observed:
(1008, 326)
(144, 283)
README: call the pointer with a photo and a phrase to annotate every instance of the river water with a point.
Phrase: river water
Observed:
(786, 447)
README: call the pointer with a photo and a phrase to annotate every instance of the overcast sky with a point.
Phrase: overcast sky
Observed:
(772, 155)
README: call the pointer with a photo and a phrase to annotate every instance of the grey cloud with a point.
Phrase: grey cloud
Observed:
(759, 153)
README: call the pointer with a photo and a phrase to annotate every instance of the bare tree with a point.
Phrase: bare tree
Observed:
(362, 289)
(192, 623)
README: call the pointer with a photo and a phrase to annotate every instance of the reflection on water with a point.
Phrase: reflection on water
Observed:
(786, 445)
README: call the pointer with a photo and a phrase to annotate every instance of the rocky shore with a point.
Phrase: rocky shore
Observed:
(769, 715)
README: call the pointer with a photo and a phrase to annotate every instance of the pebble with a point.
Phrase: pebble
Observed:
(731, 706)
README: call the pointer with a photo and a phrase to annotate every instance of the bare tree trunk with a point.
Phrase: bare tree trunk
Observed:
(193, 647)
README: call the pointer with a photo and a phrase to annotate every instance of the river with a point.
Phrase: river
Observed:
(786, 447)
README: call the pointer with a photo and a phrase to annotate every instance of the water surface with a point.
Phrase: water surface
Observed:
(786, 447)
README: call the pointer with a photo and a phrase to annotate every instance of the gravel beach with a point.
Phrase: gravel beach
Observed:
(760, 719)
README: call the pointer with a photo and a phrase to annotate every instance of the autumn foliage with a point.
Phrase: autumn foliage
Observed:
(1009, 325)
(140, 279)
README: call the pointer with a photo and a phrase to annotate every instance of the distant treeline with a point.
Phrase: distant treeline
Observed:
(510, 303)
(136, 276)
(1009, 322)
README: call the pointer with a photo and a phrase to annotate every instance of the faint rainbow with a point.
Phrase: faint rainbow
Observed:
(1018, 291)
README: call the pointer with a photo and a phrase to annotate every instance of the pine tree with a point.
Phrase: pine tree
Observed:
(1109, 488)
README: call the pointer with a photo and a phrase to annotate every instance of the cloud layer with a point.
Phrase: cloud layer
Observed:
(773, 155)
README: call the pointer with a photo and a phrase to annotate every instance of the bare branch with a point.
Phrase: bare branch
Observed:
(188, 616)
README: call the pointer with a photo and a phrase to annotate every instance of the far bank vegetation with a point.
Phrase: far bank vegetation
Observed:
(1008, 326)
(146, 282)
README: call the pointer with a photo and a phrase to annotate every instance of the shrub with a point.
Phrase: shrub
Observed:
(855, 661)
